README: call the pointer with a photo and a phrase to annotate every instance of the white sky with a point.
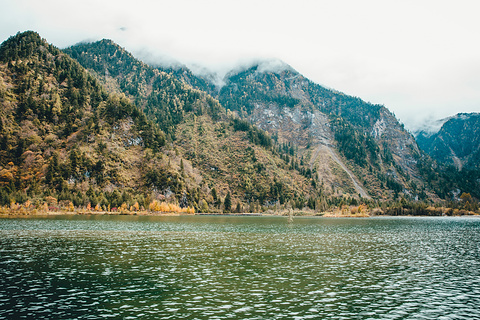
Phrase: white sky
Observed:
(420, 58)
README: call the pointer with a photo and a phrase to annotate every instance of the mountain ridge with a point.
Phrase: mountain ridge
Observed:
(366, 135)
(124, 132)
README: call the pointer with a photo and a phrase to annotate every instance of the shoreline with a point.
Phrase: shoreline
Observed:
(290, 215)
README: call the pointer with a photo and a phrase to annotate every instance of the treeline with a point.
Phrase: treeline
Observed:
(131, 202)
(464, 205)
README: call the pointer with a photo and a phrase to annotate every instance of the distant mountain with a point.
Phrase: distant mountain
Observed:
(456, 143)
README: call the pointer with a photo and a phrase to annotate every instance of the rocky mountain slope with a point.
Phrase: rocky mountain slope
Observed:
(339, 137)
(456, 143)
(356, 147)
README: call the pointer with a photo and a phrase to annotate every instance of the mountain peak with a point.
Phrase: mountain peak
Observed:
(104, 44)
(276, 66)
(26, 35)
(21, 45)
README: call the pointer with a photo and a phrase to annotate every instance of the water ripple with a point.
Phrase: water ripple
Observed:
(239, 268)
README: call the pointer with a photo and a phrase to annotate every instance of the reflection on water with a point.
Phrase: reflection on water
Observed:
(126, 267)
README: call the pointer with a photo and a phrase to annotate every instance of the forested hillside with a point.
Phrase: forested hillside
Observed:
(65, 138)
(162, 97)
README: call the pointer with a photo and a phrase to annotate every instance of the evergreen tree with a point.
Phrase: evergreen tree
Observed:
(228, 202)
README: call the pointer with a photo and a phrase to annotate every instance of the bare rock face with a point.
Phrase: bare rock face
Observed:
(310, 129)
(296, 125)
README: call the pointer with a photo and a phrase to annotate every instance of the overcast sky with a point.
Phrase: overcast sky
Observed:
(421, 59)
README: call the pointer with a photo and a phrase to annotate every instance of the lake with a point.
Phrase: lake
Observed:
(216, 267)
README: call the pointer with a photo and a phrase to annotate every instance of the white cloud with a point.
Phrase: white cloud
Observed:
(418, 58)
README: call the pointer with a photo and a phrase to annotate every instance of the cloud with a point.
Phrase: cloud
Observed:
(418, 58)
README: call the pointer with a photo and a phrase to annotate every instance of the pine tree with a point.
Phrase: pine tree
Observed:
(228, 202)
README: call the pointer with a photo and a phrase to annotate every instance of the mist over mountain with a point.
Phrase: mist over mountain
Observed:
(457, 142)
(429, 127)
(108, 129)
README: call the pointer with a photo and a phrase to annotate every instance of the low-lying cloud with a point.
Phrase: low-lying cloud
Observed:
(405, 55)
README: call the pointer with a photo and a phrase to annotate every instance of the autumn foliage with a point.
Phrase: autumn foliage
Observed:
(157, 206)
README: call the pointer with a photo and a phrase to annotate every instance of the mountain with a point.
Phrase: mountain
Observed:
(366, 141)
(231, 156)
(456, 143)
(165, 99)
(72, 136)
(342, 137)
(64, 136)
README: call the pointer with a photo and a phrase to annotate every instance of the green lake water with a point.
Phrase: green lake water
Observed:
(214, 267)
